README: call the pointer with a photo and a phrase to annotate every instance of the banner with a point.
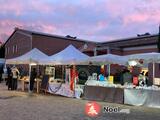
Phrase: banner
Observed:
(74, 76)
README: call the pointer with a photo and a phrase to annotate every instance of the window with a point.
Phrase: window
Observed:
(15, 49)
(6, 51)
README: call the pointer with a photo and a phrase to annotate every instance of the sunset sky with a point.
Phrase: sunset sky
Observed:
(95, 20)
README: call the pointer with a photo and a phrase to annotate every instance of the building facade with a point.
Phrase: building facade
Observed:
(22, 41)
(139, 44)
(135, 45)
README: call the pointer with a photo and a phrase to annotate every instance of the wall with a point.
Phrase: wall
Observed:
(23, 45)
(51, 45)
(139, 51)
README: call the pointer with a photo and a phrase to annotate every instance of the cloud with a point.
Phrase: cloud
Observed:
(11, 7)
(9, 26)
(136, 18)
(19, 7)
(98, 20)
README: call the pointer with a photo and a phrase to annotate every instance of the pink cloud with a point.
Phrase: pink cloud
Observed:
(41, 7)
(11, 7)
(142, 17)
(9, 25)
(42, 27)
(19, 7)
(117, 8)
(101, 24)
(135, 18)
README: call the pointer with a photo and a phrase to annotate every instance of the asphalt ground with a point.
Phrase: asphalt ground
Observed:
(17, 105)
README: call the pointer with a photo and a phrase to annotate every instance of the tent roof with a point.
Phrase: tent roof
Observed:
(33, 56)
(69, 55)
(107, 59)
(147, 57)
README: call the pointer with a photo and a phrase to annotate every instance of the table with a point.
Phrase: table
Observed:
(23, 83)
(38, 83)
(26, 81)
(108, 94)
(142, 97)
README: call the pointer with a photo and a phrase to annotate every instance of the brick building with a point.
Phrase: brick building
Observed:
(22, 41)
(135, 45)
(139, 44)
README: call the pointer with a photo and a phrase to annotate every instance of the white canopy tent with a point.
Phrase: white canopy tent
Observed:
(68, 56)
(34, 56)
(147, 58)
(106, 59)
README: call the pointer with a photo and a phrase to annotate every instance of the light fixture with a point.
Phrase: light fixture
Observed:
(132, 63)
(33, 64)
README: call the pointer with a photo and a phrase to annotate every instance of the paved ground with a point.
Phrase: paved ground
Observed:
(20, 106)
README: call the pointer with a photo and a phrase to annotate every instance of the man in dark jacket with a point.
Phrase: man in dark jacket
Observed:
(32, 78)
(1, 72)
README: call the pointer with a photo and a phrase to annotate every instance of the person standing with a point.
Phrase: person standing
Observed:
(127, 77)
(15, 74)
(32, 78)
(1, 72)
(9, 79)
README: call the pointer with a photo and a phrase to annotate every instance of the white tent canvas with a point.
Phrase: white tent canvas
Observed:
(33, 56)
(69, 55)
(106, 59)
(147, 57)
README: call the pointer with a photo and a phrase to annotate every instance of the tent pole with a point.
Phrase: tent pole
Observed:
(74, 67)
(29, 77)
(109, 69)
(62, 72)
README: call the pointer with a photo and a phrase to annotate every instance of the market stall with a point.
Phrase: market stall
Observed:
(146, 58)
(144, 95)
(68, 87)
(30, 58)
(99, 87)
(133, 91)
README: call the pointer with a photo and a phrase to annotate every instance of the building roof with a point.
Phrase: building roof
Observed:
(134, 41)
(139, 40)
(131, 38)
(30, 32)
